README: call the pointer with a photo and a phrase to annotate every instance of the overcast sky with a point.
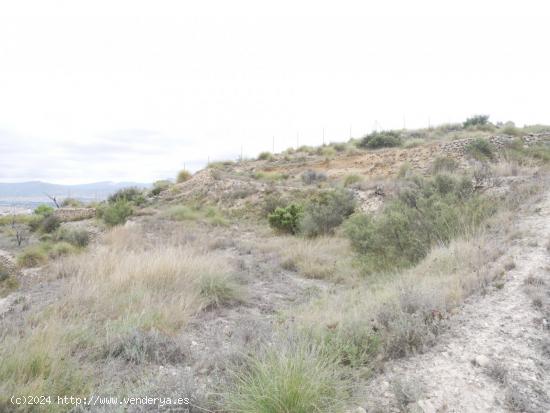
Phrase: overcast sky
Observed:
(135, 90)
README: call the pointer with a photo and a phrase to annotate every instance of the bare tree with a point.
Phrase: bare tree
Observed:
(19, 231)
(53, 199)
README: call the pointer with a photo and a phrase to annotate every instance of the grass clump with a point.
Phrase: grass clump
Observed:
(296, 377)
(444, 164)
(384, 139)
(269, 176)
(480, 149)
(210, 215)
(265, 156)
(160, 186)
(32, 257)
(352, 179)
(183, 176)
(219, 290)
(426, 212)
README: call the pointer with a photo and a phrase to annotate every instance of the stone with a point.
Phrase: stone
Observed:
(482, 361)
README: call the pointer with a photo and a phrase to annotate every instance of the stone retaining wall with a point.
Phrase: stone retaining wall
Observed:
(74, 214)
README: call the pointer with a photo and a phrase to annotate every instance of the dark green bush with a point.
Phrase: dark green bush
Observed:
(384, 139)
(425, 213)
(286, 219)
(116, 213)
(477, 120)
(325, 211)
(50, 224)
(480, 149)
(131, 194)
(43, 210)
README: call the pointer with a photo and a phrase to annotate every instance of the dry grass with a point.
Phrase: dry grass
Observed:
(327, 258)
(396, 314)
(121, 299)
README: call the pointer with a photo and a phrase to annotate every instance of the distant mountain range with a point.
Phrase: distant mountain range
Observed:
(37, 190)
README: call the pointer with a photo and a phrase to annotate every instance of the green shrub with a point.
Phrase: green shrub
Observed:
(265, 156)
(384, 139)
(480, 149)
(116, 213)
(183, 176)
(43, 210)
(297, 378)
(131, 194)
(50, 224)
(182, 213)
(325, 211)
(79, 237)
(71, 202)
(477, 120)
(32, 257)
(427, 212)
(286, 219)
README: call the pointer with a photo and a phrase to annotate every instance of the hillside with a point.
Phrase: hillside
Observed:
(403, 271)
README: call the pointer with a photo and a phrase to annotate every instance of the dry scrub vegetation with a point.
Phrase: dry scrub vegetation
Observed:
(123, 299)
(385, 281)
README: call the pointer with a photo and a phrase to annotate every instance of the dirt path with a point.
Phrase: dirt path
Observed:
(495, 357)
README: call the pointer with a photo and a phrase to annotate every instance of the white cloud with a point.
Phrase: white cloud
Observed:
(132, 90)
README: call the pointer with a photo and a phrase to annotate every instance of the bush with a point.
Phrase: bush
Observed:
(116, 213)
(43, 210)
(71, 202)
(32, 257)
(183, 176)
(326, 211)
(309, 177)
(131, 194)
(50, 224)
(384, 139)
(286, 219)
(480, 149)
(352, 179)
(427, 212)
(444, 164)
(78, 237)
(265, 156)
(297, 378)
(60, 249)
(477, 120)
